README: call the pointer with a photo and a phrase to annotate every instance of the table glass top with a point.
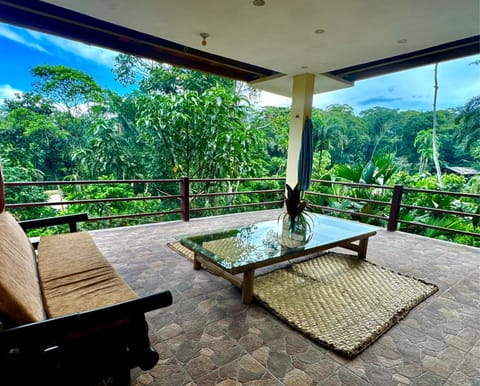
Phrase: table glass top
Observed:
(262, 241)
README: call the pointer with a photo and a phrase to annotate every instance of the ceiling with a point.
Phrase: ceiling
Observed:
(268, 45)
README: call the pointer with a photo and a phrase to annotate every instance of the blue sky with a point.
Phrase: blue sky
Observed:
(23, 49)
(458, 81)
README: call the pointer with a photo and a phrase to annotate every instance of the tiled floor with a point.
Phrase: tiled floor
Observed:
(209, 337)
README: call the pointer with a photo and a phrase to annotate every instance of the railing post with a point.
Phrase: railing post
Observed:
(185, 199)
(395, 208)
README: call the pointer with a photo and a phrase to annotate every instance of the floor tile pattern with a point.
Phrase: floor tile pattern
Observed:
(208, 337)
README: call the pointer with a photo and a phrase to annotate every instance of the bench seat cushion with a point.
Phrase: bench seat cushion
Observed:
(76, 277)
(20, 297)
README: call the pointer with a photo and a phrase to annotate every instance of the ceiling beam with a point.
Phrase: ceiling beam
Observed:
(453, 50)
(51, 19)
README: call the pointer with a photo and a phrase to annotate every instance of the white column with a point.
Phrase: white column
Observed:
(302, 99)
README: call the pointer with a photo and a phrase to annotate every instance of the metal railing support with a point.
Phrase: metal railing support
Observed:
(185, 198)
(395, 208)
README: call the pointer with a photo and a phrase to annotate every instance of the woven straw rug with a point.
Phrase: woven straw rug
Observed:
(180, 249)
(338, 300)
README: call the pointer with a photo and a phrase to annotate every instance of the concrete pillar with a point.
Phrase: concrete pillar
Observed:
(302, 99)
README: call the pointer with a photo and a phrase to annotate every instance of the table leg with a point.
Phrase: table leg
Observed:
(196, 264)
(247, 286)
(362, 248)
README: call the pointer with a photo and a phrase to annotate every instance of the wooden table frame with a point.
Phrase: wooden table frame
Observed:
(246, 285)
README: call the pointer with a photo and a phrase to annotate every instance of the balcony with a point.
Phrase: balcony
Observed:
(209, 337)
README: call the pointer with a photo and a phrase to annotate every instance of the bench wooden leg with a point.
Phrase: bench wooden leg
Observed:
(247, 286)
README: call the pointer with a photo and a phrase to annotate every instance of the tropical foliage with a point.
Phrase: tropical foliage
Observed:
(175, 122)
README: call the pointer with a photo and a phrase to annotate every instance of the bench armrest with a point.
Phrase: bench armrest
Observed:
(80, 348)
(70, 219)
(46, 330)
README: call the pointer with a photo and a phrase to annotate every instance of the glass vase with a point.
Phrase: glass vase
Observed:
(294, 232)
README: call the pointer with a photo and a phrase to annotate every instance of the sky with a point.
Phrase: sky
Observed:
(21, 50)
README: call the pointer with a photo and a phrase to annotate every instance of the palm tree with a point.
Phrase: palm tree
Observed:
(469, 124)
(330, 134)
(423, 143)
(378, 171)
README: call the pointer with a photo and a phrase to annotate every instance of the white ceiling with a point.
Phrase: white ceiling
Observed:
(281, 34)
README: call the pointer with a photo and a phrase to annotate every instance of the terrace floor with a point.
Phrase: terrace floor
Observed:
(209, 337)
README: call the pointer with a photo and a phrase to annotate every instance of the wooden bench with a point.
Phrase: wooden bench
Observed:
(66, 316)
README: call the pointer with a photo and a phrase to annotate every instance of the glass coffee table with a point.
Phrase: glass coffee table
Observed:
(245, 249)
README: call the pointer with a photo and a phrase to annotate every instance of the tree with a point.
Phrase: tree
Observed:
(163, 78)
(18, 194)
(66, 86)
(434, 129)
(106, 152)
(329, 133)
(412, 122)
(79, 102)
(349, 145)
(468, 122)
(199, 135)
(274, 123)
(30, 133)
(382, 126)
(111, 145)
(423, 143)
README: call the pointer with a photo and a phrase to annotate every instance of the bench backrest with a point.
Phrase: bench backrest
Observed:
(20, 296)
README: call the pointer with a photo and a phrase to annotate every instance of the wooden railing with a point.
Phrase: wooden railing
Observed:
(184, 200)
(392, 215)
(62, 203)
(199, 197)
(188, 208)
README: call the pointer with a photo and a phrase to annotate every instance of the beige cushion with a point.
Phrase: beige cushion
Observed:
(20, 298)
(76, 277)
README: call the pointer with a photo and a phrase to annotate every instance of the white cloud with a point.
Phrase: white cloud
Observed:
(269, 99)
(91, 53)
(11, 33)
(40, 42)
(8, 92)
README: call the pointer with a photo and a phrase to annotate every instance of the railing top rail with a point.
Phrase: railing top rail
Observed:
(442, 211)
(237, 179)
(354, 184)
(266, 191)
(443, 192)
(87, 182)
(405, 189)
(439, 228)
(357, 199)
(90, 201)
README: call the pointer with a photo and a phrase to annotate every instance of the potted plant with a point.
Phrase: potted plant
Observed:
(296, 224)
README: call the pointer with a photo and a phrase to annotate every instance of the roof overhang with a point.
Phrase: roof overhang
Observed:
(356, 50)
(51, 19)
